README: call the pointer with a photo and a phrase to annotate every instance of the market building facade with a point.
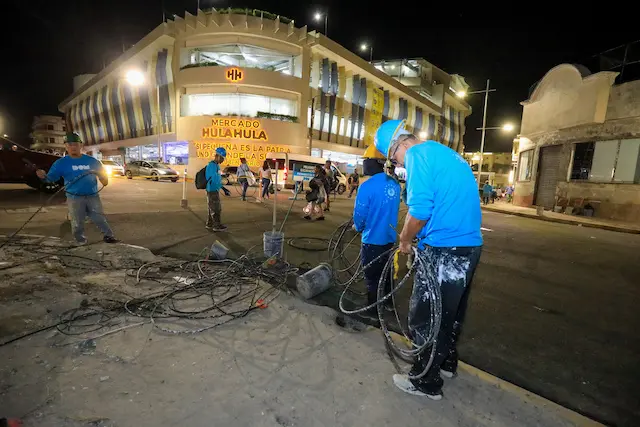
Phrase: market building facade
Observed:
(253, 83)
(579, 147)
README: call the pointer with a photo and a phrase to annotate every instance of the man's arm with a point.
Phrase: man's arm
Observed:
(53, 175)
(98, 168)
(409, 231)
(361, 210)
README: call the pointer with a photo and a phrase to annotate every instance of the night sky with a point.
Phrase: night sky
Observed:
(47, 42)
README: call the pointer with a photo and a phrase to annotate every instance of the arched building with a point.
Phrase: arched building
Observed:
(255, 83)
(580, 144)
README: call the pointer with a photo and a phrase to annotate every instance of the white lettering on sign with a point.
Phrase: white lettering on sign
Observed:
(81, 167)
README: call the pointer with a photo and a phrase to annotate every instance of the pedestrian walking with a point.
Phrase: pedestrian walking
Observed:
(243, 176)
(316, 196)
(329, 183)
(375, 215)
(265, 179)
(487, 191)
(444, 216)
(81, 173)
(214, 185)
(509, 193)
(354, 183)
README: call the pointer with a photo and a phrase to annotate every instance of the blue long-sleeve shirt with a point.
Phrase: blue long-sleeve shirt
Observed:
(375, 213)
(487, 189)
(212, 173)
(442, 190)
(72, 171)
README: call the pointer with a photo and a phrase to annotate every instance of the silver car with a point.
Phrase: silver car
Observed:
(150, 170)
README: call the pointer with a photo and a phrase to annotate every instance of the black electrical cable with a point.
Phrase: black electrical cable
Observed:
(63, 187)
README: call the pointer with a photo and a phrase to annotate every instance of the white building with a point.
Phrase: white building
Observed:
(47, 134)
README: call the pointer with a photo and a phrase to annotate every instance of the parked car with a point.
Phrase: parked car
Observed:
(113, 168)
(18, 165)
(150, 170)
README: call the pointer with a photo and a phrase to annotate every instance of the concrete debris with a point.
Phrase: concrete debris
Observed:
(103, 379)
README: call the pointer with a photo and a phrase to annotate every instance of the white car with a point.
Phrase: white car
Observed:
(113, 168)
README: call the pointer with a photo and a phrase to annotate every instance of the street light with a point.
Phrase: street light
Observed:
(423, 135)
(462, 94)
(319, 17)
(364, 47)
(507, 127)
(137, 78)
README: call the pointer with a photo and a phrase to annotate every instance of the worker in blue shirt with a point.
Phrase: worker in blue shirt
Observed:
(444, 216)
(214, 185)
(80, 173)
(375, 215)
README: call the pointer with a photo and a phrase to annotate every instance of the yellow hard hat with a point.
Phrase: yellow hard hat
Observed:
(372, 153)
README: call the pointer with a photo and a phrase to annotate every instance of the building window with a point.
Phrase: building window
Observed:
(524, 165)
(49, 127)
(606, 161)
(246, 56)
(228, 104)
(52, 140)
(64, 128)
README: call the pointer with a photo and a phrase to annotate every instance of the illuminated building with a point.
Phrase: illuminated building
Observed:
(254, 83)
(47, 134)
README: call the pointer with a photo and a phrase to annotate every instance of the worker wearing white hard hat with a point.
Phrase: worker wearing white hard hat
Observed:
(444, 217)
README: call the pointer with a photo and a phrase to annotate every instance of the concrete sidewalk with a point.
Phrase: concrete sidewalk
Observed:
(591, 222)
(287, 365)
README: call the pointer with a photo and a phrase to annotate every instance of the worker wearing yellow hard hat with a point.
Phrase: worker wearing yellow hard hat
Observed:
(375, 215)
(444, 217)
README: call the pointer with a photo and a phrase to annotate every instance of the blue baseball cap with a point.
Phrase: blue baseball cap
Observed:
(221, 152)
(387, 133)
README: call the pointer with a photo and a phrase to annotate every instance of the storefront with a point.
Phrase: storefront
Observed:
(241, 137)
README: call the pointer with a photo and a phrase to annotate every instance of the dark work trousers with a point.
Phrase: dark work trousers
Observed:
(374, 271)
(354, 187)
(452, 270)
(245, 184)
(215, 208)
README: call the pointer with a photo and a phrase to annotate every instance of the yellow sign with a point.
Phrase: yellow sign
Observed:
(373, 120)
(234, 75)
(255, 154)
(234, 129)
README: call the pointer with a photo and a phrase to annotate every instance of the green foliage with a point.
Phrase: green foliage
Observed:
(281, 117)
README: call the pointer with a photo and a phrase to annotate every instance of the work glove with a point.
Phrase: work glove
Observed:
(226, 192)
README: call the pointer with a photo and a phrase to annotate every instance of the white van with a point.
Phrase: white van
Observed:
(294, 168)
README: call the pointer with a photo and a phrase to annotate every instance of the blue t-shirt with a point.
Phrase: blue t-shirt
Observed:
(442, 190)
(375, 213)
(212, 173)
(487, 189)
(72, 171)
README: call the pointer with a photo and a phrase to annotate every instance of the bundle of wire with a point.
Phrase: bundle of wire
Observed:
(341, 240)
(193, 296)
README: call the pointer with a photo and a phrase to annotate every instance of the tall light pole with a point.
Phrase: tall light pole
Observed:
(364, 47)
(319, 17)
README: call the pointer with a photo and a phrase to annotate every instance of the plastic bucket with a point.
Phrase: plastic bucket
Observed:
(273, 243)
(218, 250)
(314, 281)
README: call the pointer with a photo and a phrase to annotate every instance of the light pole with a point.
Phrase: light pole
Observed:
(319, 17)
(364, 47)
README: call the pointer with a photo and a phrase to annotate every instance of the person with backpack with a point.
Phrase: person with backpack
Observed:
(209, 178)
(316, 196)
(329, 179)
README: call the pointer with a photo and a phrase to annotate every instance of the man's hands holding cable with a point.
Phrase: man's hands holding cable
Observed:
(406, 247)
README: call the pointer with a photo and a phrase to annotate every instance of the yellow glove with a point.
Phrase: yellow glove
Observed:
(396, 264)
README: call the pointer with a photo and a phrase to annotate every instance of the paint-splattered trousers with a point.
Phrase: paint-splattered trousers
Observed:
(81, 207)
(452, 270)
(215, 209)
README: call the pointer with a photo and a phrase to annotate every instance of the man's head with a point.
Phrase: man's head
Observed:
(327, 164)
(221, 154)
(243, 160)
(73, 144)
(393, 141)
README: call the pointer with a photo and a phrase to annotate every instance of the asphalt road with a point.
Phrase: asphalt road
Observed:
(553, 307)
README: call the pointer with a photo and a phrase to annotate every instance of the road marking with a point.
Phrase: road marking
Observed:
(485, 229)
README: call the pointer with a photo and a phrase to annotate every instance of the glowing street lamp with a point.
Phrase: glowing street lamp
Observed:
(364, 47)
(135, 78)
(318, 17)
(507, 127)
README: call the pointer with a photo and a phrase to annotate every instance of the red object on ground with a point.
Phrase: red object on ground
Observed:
(11, 422)
(261, 304)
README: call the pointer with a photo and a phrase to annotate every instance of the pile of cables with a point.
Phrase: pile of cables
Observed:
(176, 297)
(348, 270)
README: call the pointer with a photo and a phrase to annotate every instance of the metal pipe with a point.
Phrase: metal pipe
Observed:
(484, 130)
(275, 197)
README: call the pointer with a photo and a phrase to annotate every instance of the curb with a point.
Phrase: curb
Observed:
(566, 221)
(530, 397)
(571, 416)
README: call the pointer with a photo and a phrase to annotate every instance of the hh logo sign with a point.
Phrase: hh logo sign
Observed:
(235, 74)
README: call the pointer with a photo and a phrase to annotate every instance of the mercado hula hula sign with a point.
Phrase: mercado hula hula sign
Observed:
(246, 130)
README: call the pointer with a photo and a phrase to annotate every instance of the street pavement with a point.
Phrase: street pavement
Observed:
(553, 307)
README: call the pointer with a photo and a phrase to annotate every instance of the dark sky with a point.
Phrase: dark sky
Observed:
(47, 42)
